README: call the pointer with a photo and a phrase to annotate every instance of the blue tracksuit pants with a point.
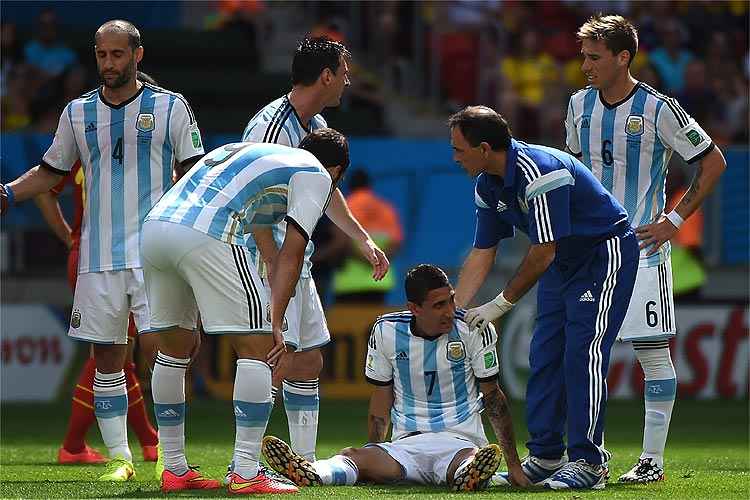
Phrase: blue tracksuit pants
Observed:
(581, 305)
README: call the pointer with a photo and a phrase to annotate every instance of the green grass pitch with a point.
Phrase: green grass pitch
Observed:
(707, 454)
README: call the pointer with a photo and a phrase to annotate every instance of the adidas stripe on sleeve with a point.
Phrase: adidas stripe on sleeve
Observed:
(378, 368)
(681, 132)
(183, 131)
(548, 198)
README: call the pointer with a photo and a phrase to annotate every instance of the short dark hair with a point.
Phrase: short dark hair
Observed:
(146, 78)
(329, 146)
(482, 124)
(313, 55)
(617, 33)
(120, 26)
(423, 279)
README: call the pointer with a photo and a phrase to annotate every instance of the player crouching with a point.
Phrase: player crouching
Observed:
(428, 369)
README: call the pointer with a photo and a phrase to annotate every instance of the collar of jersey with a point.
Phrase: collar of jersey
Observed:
(621, 101)
(123, 103)
(413, 331)
(296, 115)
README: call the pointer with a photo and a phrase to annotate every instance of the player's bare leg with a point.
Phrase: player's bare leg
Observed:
(374, 464)
(300, 385)
(371, 464)
(168, 390)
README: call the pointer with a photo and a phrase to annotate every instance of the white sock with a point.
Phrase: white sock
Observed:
(168, 391)
(274, 390)
(337, 470)
(111, 410)
(302, 404)
(252, 407)
(659, 394)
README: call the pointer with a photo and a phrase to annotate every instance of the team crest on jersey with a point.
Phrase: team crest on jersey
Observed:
(145, 122)
(75, 319)
(634, 125)
(455, 351)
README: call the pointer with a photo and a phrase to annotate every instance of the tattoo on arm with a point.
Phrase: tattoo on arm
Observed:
(695, 186)
(377, 429)
(496, 409)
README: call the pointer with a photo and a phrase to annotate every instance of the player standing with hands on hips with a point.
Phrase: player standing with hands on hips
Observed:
(584, 255)
(127, 135)
(626, 132)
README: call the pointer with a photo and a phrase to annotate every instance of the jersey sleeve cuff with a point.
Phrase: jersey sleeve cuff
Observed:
(53, 169)
(298, 227)
(703, 153)
(490, 378)
(380, 383)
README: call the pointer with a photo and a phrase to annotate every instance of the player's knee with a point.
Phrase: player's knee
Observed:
(307, 365)
(350, 452)
(176, 343)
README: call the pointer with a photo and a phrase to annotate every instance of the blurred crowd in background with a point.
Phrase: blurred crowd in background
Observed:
(413, 64)
(520, 57)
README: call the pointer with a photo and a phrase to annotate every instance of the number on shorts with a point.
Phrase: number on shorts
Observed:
(652, 319)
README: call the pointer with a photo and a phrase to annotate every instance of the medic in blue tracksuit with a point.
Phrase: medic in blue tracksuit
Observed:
(585, 257)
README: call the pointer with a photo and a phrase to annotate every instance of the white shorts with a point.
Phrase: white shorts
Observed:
(305, 318)
(650, 314)
(187, 271)
(102, 304)
(425, 458)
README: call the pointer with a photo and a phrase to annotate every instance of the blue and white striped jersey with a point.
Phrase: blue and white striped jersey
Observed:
(627, 145)
(435, 381)
(238, 186)
(127, 152)
(279, 123)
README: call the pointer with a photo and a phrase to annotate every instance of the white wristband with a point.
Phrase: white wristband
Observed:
(504, 304)
(675, 219)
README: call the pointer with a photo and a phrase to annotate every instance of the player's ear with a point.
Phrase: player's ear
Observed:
(139, 54)
(326, 76)
(486, 148)
(415, 309)
(623, 58)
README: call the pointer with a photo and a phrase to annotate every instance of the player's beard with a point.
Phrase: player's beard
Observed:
(123, 78)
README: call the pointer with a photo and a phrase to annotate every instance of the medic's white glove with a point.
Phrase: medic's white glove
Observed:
(480, 317)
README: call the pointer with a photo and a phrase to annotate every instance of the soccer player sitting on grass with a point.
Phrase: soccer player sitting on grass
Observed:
(428, 369)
